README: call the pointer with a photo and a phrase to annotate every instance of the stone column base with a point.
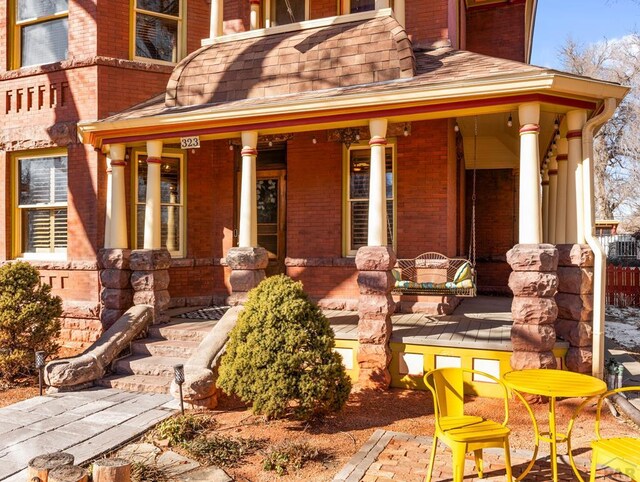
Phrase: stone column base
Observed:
(116, 295)
(150, 280)
(247, 270)
(375, 309)
(534, 283)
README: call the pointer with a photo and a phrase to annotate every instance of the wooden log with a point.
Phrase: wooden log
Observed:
(68, 473)
(40, 466)
(111, 470)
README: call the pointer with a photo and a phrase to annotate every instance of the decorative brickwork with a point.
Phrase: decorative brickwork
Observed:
(375, 309)
(575, 304)
(534, 283)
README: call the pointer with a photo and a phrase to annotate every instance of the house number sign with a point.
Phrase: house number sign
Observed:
(190, 142)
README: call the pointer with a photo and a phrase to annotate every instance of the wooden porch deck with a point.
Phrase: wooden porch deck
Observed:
(483, 322)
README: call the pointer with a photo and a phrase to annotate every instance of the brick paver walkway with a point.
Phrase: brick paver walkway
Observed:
(393, 456)
(86, 424)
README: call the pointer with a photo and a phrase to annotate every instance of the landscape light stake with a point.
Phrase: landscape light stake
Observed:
(40, 357)
(178, 372)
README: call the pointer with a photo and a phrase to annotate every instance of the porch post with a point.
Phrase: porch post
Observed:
(248, 261)
(375, 262)
(254, 16)
(107, 214)
(534, 281)
(529, 225)
(553, 197)
(561, 204)
(545, 204)
(152, 217)
(575, 207)
(116, 202)
(215, 25)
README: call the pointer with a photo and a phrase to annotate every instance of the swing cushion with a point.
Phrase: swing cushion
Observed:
(449, 285)
(463, 273)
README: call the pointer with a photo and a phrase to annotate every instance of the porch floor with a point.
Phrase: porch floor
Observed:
(483, 322)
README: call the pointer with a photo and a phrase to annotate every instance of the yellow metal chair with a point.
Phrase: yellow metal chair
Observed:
(619, 453)
(464, 433)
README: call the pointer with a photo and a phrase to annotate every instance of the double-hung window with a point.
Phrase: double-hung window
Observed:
(283, 12)
(362, 6)
(41, 33)
(358, 171)
(158, 27)
(41, 206)
(172, 197)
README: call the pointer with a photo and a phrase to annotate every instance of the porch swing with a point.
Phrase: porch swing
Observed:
(434, 273)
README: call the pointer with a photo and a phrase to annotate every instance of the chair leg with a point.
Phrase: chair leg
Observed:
(432, 459)
(479, 466)
(507, 461)
(458, 462)
(594, 465)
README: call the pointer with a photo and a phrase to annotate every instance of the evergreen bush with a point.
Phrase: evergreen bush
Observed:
(280, 354)
(28, 319)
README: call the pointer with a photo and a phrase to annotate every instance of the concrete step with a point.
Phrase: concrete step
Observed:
(157, 366)
(179, 330)
(137, 383)
(159, 347)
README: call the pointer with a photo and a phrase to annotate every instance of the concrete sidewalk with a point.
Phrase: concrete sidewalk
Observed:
(86, 424)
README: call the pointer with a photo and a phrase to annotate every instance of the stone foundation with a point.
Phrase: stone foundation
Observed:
(375, 308)
(116, 295)
(534, 283)
(150, 280)
(247, 270)
(575, 304)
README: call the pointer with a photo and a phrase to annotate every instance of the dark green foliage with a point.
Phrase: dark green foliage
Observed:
(28, 319)
(221, 450)
(289, 456)
(279, 355)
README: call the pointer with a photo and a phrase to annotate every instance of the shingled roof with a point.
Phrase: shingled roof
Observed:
(295, 61)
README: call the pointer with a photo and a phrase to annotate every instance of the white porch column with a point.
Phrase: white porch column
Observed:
(116, 234)
(152, 217)
(377, 234)
(530, 225)
(545, 204)
(254, 18)
(575, 207)
(399, 12)
(109, 198)
(553, 198)
(215, 25)
(382, 4)
(561, 204)
(248, 232)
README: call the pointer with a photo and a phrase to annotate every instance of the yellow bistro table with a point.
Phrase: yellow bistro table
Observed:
(552, 384)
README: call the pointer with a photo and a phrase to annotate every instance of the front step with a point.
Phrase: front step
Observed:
(137, 383)
(157, 347)
(157, 366)
(182, 331)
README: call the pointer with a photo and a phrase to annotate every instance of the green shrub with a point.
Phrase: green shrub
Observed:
(183, 428)
(221, 450)
(280, 354)
(289, 456)
(28, 319)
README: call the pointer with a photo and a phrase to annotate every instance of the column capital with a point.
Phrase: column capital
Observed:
(378, 128)
(154, 148)
(576, 119)
(249, 139)
(378, 141)
(529, 113)
(529, 129)
(117, 152)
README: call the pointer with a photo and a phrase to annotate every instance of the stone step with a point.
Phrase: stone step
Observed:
(158, 366)
(137, 383)
(180, 330)
(159, 347)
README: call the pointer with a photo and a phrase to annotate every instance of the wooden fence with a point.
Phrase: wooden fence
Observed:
(623, 286)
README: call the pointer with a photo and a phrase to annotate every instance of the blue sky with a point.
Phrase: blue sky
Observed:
(586, 21)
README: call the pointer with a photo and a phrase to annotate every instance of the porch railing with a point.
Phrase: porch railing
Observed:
(620, 246)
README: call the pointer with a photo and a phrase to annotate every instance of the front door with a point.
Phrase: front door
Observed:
(271, 197)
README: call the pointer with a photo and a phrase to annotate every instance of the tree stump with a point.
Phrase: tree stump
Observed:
(40, 466)
(68, 473)
(111, 470)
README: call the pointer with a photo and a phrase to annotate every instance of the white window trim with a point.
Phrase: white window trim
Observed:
(182, 206)
(18, 25)
(268, 13)
(346, 202)
(18, 252)
(182, 37)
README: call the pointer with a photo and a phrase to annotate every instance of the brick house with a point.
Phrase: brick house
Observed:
(323, 140)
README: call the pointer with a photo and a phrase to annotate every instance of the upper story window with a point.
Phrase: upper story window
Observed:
(283, 12)
(362, 6)
(41, 34)
(158, 30)
(41, 203)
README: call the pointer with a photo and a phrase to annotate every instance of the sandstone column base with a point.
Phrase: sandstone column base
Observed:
(375, 308)
(247, 270)
(116, 294)
(150, 280)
